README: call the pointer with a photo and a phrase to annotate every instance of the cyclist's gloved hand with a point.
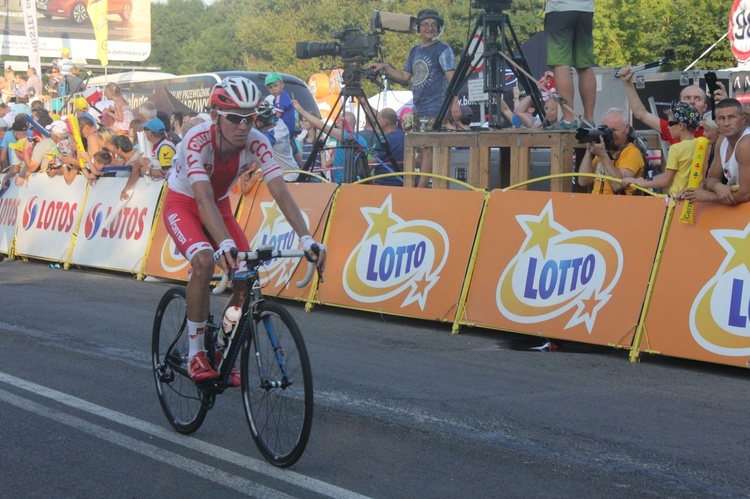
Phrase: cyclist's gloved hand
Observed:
(226, 254)
(314, 251)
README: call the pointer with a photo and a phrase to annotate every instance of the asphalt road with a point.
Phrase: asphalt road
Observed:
(402, 409)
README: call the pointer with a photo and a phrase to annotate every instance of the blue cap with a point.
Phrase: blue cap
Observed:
(155, 125)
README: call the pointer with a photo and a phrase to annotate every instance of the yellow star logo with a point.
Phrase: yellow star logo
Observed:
(540, 232)
(380, 221)
(741, 255)
(271, 213)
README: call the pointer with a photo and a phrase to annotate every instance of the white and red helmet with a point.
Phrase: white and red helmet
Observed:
(235, 92)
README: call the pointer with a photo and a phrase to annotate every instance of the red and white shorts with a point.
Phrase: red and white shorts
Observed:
(183, 221)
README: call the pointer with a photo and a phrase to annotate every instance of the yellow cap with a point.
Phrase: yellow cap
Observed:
(81, 103)
(65, 51)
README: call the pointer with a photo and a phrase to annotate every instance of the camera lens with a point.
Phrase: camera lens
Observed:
(308, 50)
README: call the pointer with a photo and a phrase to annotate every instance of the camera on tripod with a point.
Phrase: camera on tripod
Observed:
(587, 135)
(353, 45)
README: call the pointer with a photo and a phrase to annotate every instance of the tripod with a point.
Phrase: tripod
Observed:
(498, 36)
(355, 165)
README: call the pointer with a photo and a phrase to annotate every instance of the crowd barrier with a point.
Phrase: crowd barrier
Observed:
(607, 270)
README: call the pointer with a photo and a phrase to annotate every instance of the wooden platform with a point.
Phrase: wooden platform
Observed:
(519, 142)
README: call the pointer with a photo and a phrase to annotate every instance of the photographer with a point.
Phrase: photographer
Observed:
(620, 159)
(434, 63)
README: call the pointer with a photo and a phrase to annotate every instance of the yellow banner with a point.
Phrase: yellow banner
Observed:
(97, 10)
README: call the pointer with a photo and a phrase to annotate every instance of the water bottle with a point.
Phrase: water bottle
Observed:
(231, 316)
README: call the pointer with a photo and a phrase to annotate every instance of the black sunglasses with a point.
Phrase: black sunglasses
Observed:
(673, 123)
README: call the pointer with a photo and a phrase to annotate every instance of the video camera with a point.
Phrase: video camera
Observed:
(354, 45)
(492, 5)
(587, 135)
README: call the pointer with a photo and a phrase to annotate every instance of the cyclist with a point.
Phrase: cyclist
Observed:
(197, 212)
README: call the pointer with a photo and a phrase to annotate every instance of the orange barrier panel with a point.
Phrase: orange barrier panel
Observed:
(567, 266)
(400, 251)
(267, 226)
(700, 307)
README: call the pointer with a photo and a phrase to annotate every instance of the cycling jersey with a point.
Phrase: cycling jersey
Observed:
(196, 160)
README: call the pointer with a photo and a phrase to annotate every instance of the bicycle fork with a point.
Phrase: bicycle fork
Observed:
(278, 351)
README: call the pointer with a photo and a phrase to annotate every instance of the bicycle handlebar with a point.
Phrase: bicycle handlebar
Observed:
(268, 253)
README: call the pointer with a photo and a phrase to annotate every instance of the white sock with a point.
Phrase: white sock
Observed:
(195, 334)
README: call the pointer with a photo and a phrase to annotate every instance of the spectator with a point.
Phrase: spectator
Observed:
(277, 133)
(282, 103)
(93, 145)
(135, 127)
(526, 117)
(692, 94)
(34, 83)
(622, 160)
(120, 113)
(175, 122)
(309, 139)
(568, 28)
(159, 159)
(164, 118)
(346, 156)
(8, 138)
(64, 156)
(129, 156)
(394, 136)
(19, 130)
(65, 63)
(686, 119)
(435, 63)
(75, 82)
(53, 87)
(731, 164)
(9, 89)
(147, 111)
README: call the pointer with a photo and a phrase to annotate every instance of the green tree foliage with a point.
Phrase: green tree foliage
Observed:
(188, 36)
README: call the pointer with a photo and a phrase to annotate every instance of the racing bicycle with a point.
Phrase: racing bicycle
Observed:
(277, 383)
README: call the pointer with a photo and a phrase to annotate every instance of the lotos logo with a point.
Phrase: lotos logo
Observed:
(30, 213)
(57, 216)
(395, 257)
(171, 259)
(559, 272)
(127, 223)
(276, 231)
(94, 221)
(720, 315)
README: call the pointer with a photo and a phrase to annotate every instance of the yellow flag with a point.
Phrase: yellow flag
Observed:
(97, 10)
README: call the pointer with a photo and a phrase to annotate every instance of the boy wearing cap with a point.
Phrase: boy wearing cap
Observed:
(685, 119)
(156, 164)
(282, 103)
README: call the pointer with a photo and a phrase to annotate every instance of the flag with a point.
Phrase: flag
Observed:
(97, 10)
(32, 34)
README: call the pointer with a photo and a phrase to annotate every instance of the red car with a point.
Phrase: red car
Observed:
(76, 9)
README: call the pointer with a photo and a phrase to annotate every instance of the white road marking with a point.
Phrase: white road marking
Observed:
(211, 450)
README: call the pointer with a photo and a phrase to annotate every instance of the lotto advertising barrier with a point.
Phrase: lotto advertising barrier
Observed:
(266, 225)
(114, 234)
(566, 266)
(10, 202)
(400, 251)
(701, 300)
(49, 212)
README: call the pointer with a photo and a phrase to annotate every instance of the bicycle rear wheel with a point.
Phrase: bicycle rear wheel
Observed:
(181, 400)
(277, 386)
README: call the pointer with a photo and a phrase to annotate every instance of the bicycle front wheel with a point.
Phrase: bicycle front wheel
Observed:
(277, 386)
(180, 398)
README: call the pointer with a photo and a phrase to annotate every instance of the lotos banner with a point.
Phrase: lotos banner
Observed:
(266, 225)
(114, 234)
(401, 251)
(49, 211)
(10, 200)
(701, 301)
(566, 266)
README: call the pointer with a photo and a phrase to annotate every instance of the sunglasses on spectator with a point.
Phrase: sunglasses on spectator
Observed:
(428, 25)
(673, 123)
(238, 119)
